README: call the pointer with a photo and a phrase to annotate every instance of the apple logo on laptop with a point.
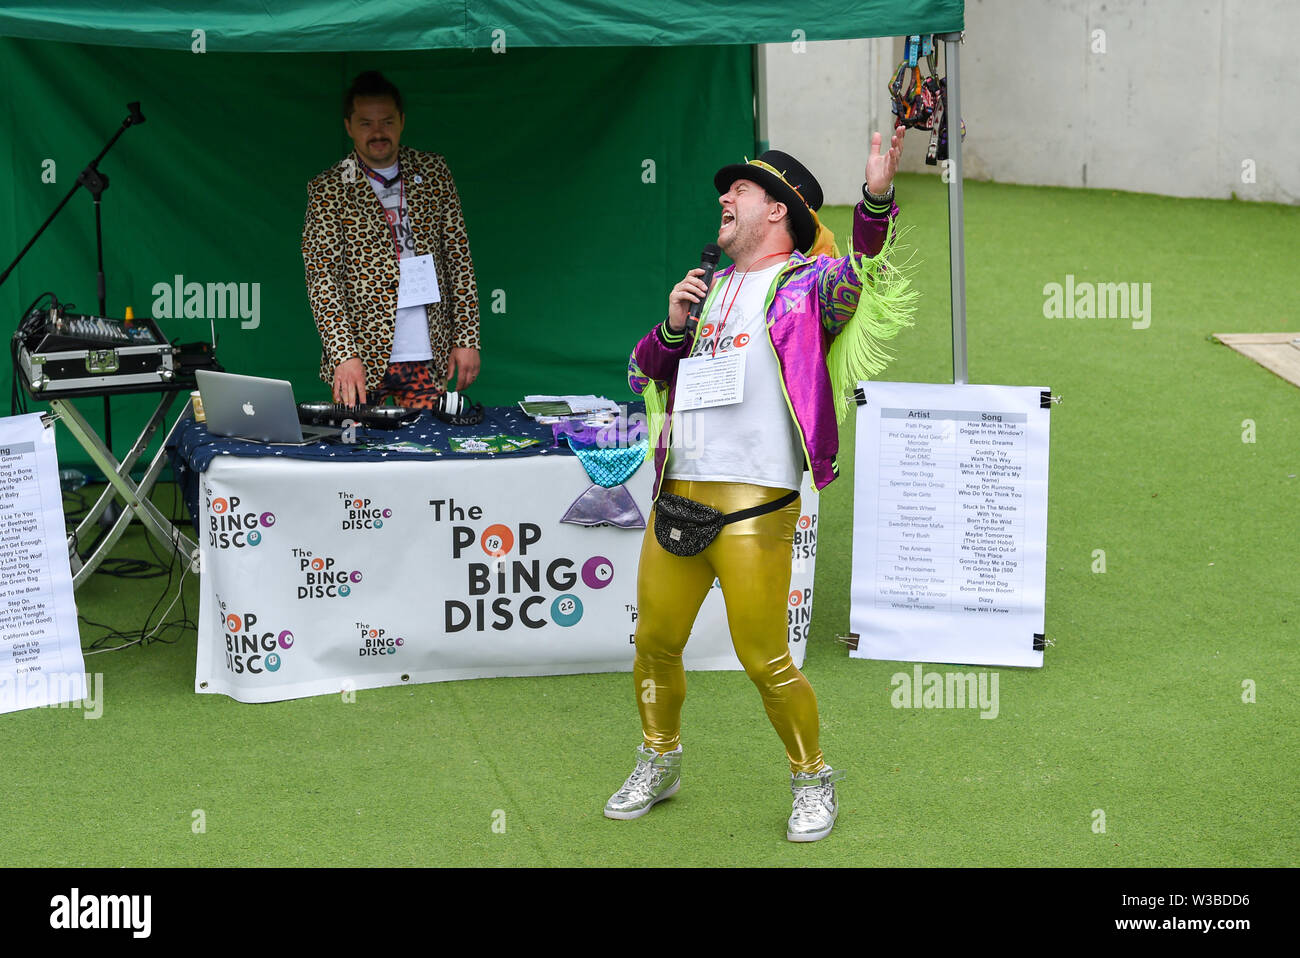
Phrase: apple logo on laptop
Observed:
(248, 409)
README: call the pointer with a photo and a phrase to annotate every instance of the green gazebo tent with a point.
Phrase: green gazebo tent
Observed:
(583, 135)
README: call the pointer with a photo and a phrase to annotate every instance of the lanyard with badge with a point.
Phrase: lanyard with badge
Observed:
(713, 380)
(418, 278)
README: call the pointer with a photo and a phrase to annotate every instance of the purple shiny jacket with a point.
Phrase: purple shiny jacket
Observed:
(808, 305)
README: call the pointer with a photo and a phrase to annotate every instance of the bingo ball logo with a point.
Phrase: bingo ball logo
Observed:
(361, 514)
(711, 339)
(377, 641)
(597, 572)
(234, 524)
(251, 647)
(512, 578)
(799, 614)
(805, 538)
(324, 577)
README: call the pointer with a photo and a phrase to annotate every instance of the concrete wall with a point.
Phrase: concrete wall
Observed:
(1196, 98)
(822, 106)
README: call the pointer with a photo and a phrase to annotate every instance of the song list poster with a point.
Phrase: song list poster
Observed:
(950, 524)
(40, 646)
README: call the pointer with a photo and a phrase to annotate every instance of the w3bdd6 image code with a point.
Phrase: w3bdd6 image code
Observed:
(1195, 912)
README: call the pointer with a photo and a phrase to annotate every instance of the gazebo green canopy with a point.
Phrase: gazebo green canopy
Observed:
(319, 26)
(583, 135)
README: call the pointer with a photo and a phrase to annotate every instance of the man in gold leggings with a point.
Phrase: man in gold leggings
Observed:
(770, 319)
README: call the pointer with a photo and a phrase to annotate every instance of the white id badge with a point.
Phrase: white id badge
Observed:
(710, 381)
(419, 281)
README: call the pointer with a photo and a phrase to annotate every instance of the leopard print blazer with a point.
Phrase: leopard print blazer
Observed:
(352, 267)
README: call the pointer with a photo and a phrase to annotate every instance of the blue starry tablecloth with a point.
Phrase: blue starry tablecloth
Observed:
(192, 448)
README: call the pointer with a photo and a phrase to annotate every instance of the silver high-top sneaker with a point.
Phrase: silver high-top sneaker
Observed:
(655, 778)
(815, 805)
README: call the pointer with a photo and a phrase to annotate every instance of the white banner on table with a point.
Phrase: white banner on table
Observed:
(40, 644)
(323, 577)
(950, 524)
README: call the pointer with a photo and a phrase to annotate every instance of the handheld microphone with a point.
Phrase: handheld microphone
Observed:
(708, 263)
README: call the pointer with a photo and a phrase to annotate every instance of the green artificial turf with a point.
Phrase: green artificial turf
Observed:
(1137, 712)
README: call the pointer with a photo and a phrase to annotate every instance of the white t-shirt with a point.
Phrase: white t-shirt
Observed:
(754, 440)
(411, 335)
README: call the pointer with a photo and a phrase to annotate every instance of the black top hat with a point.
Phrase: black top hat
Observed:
(786, 180)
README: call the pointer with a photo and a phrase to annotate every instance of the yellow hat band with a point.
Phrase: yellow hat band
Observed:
(779, 175)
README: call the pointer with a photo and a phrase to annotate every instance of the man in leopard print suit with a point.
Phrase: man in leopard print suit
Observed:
(381, 203)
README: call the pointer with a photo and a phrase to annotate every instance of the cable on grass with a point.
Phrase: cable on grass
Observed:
(144, 569)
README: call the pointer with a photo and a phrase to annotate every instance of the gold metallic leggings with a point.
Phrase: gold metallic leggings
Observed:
(751, 560)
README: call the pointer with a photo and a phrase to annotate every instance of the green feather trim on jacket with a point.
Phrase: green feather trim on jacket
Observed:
(885, 306)
(656, 406)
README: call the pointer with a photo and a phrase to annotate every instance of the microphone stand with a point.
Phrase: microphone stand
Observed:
(95, 183)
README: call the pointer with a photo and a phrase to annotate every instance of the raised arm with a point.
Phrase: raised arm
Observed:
(839, 280)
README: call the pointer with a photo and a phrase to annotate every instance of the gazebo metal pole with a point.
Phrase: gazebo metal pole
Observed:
(760, 100)
(956, 221)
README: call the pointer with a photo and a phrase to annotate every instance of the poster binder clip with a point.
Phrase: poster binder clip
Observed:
(48, 419)
(858, 396)
(851, 640)
(1047, 399)
(1041, 641)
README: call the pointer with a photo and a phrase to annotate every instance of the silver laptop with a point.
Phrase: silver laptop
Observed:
(253, 408)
